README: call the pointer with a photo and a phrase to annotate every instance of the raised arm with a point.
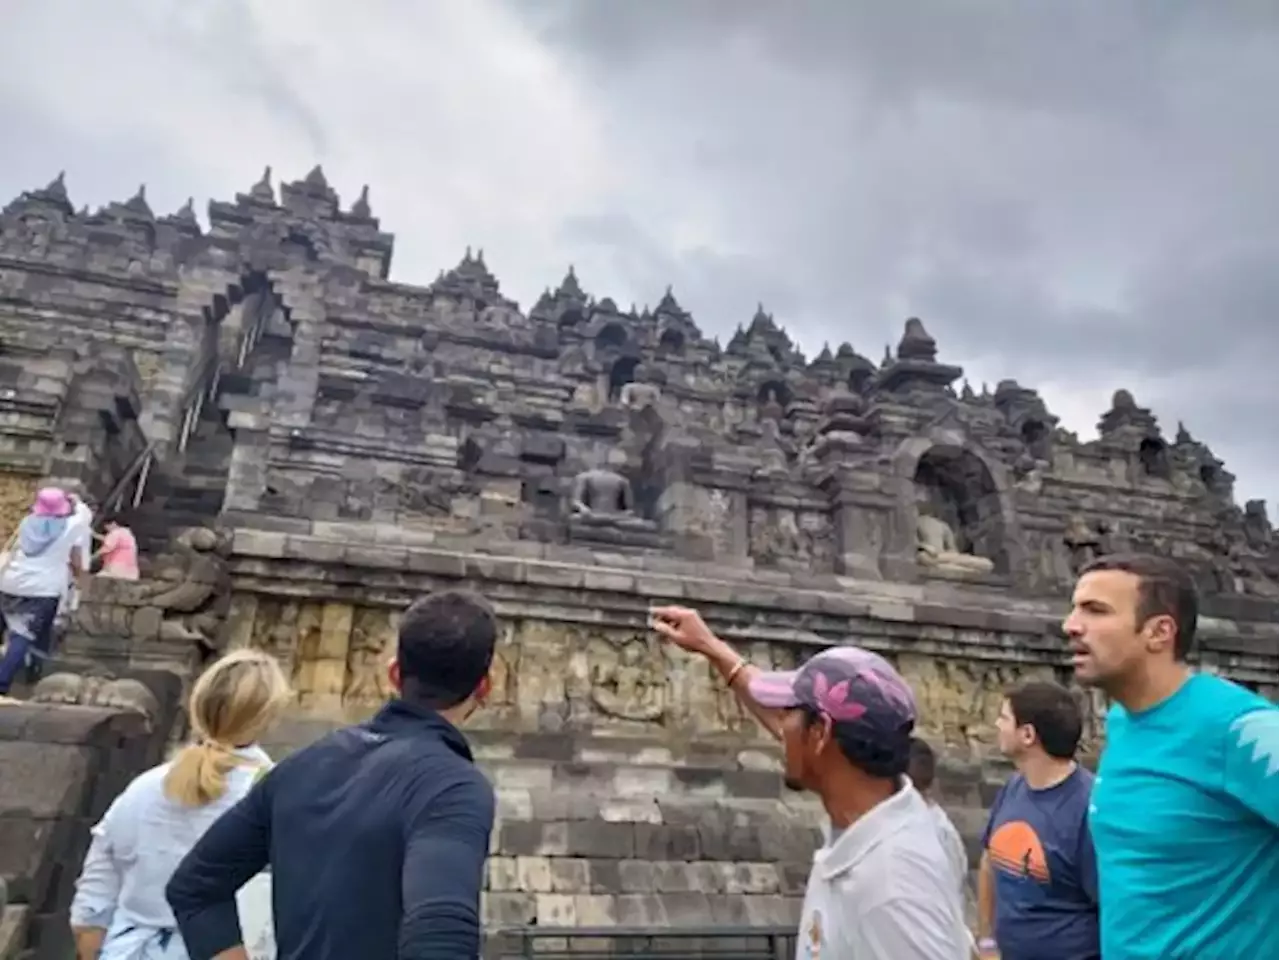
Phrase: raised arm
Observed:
(202, 891)
(446, 843)
(687, 630)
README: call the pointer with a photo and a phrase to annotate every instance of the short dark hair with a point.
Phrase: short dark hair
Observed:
(922, 764)
(1165, 588)
(884, 760)
(446, 645)
(1052, 712)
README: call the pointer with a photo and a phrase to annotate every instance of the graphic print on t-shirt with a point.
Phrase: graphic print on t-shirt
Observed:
(1015, 849)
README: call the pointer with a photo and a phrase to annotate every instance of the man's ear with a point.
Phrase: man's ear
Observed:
(820, 733)
(483, 689)
(393, 674)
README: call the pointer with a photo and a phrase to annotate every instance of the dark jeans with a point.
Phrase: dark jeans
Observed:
(29, 623)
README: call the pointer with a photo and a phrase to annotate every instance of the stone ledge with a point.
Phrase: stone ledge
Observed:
(289, 563)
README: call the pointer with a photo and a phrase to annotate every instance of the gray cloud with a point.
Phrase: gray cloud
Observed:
(1082, 196)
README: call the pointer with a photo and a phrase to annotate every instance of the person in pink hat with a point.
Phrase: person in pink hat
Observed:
(35, 572)
(882, 886)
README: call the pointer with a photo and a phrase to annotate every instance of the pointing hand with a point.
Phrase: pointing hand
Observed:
(683, 627)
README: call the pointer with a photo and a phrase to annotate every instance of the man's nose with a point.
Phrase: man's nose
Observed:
(1071, 625)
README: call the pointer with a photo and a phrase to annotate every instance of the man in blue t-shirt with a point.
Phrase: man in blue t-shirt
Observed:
(1037, 883)
(1187, 798)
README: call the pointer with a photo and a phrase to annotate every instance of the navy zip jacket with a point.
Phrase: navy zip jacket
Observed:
(376, 836)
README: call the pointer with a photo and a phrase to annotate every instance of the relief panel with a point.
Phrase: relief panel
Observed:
(17, 492)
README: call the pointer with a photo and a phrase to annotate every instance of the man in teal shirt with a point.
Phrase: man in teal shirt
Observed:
(1186, 802)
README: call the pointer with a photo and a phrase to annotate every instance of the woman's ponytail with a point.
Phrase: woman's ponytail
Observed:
(232, 704)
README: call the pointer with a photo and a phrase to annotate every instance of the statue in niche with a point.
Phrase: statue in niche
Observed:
(602, 493)
(628, 687)
(774, 459)
(936, 544)
(637, 396)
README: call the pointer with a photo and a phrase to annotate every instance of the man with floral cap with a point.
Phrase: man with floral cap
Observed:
(880, 887)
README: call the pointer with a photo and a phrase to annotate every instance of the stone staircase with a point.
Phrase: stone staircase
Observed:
(600, 831)
(186, 489)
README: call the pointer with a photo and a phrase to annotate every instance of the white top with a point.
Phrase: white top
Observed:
(884, 889)
(952, 844)
(135, 848)
(81, 522)
(48, 573)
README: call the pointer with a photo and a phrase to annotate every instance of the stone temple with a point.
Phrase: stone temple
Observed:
(304, 445)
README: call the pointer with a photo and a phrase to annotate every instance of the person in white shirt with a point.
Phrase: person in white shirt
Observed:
(36, 570)
(119, 911)
(881, 887)
(921, 769)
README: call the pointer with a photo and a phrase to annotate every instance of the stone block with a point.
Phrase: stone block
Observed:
(501, 875)
(40, 779)
(663, 842)
(594, 910)
(647, 910)
(598, 838)
(555, 910)
(504, 910)
(604, 876)
(570, 875)
(637, 876)
(749, 877)
(630, 811)
(533, 874)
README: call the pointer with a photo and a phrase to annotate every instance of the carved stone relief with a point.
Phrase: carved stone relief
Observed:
(17, 492)
(958, 700)
(628, 680)
(791, 539)
(372, 648)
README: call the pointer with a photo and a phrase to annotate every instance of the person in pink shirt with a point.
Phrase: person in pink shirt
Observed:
(119, 551)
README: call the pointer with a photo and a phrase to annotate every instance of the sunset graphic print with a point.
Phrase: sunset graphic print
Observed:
(1015, 850)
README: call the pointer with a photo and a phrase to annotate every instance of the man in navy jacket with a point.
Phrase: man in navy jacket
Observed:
(377, 834)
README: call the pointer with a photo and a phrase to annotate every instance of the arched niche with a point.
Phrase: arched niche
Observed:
(951, 478)
(296, 243)
(1153, 456)
(1036, 438)
(859, 379)
(622, 372)
(671, 341)
(571, 317)
(612, 336)
(774, 392)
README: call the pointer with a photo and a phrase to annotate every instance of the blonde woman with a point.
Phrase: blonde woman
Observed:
(119, 911)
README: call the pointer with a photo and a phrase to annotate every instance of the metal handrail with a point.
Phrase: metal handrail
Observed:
(647, 943)
(139, 465)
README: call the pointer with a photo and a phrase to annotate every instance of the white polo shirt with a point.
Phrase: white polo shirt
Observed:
(884, 889)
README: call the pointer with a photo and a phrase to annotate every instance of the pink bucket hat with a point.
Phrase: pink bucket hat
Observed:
(52, 502)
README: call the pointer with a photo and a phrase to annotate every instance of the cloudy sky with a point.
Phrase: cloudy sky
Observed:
(1080, 196)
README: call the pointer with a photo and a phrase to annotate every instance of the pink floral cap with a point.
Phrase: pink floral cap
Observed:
(52, 502)
(850, 685)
